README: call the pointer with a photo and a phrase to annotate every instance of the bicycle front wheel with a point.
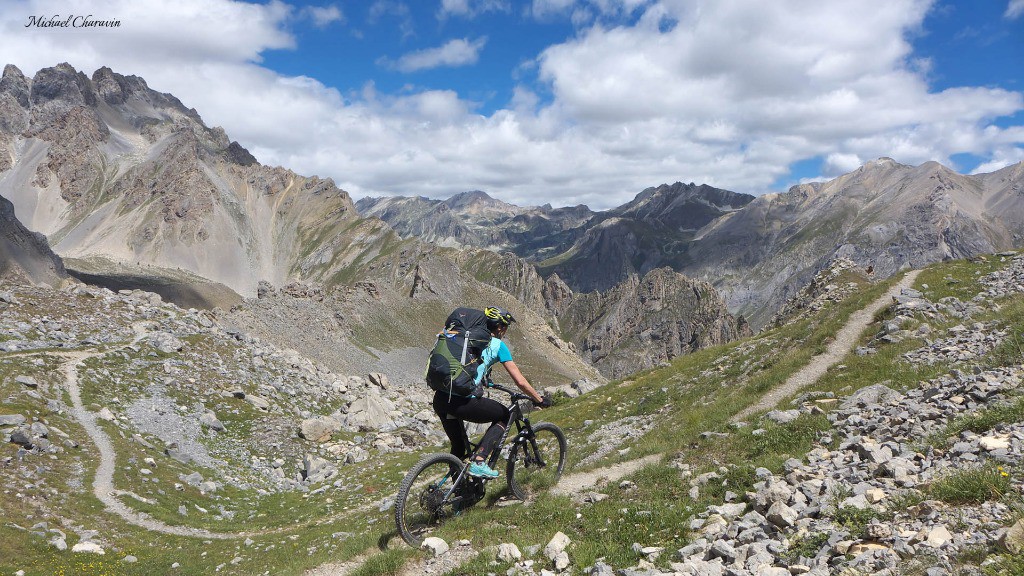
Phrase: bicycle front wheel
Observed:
(535, 464)
(425, 496)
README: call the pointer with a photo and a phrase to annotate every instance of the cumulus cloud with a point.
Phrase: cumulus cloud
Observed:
(454, 53)
(667, 94)
(323, 16)
(188, 32)
(837, 164)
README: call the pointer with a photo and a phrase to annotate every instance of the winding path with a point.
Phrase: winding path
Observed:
(844, 342)
(579, 481)
(103, 483)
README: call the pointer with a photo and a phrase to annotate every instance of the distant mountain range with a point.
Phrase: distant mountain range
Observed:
(758, 252)
(474, 219)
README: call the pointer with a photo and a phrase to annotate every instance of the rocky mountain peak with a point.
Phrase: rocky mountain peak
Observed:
(463, 199)
(16, 84)
(63, 84)
(114, 88)
(171, 192)
(477, 202)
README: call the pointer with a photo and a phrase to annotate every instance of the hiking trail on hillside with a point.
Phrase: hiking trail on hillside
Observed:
(103, 483)
(843, 344)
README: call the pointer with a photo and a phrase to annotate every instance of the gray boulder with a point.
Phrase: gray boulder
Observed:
(319, 429)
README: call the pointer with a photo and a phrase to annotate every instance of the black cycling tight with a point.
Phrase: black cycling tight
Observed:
(453, 411)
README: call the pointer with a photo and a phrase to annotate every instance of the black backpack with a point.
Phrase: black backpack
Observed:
(452, 363)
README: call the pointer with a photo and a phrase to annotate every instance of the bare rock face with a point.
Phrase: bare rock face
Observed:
(112, 170)
(14, 101)
(557, 295)
(25, 256)
(62, 85)
(884, 215)
(646, 321)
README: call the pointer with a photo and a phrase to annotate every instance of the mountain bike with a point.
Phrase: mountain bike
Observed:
(439, 485)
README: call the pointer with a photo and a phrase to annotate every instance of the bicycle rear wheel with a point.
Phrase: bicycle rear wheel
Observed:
(425, 496)
(536, 465)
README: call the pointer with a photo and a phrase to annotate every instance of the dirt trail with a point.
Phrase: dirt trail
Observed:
(845, 340)
(103, 483)
(580, 481)
(344, 567)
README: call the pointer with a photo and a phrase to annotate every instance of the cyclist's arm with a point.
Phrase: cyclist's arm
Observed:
(521, 381)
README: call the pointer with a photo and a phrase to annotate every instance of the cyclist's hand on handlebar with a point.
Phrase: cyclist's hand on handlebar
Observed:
(545, 402)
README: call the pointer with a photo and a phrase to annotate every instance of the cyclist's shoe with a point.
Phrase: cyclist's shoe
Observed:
(482, 470)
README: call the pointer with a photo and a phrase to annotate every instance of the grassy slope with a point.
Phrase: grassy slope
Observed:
(697, 393)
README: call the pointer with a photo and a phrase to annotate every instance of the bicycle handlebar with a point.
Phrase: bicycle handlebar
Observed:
(515, 394)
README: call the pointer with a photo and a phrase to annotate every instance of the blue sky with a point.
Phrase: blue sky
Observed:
(568, 101)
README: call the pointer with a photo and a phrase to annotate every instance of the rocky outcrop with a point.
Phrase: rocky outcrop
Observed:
(863, 500)
(25, 255)
(644, 322)
(834, 283)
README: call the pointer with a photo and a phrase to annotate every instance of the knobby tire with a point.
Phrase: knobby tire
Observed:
(417, 512)
(525, 476)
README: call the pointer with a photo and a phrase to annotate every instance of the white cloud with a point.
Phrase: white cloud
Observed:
(454, 53)
(724, 92)
(582, 11)
(1014, 9)
(323, 16)
(152, 34)
(1002, 158)
(837, 164)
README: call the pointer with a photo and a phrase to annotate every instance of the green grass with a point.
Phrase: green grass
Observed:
(982, 421)
(700, 392)
(1005, 565)
(972, 486)
(697, 393)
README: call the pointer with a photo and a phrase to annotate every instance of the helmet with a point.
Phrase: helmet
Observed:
(498, 317)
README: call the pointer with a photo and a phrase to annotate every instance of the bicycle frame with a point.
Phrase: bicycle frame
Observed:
(524, 431)
(524, 434)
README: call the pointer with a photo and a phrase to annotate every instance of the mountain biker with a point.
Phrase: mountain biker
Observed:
(453, 410)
